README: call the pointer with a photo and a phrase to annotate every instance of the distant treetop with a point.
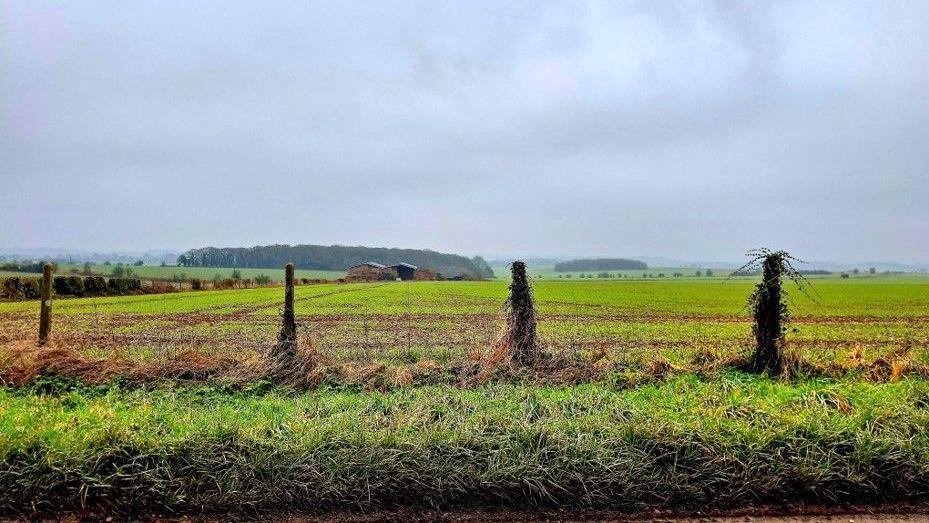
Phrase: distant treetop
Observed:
(601, 264)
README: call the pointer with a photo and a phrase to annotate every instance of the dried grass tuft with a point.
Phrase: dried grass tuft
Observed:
(402, 377)
(898, 368)
(659, 368)
(25, 361)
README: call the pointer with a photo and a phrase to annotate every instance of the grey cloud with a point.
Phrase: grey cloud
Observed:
(693, 130)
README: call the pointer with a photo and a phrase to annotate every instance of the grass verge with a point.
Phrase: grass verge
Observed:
(693, 442)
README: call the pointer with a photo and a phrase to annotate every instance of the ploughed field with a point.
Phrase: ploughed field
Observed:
(139, 404)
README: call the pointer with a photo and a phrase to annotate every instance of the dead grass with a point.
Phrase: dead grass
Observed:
(23, 361)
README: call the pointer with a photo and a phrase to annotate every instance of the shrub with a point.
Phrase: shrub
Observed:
(68, 285)
(31, 288)
(94, 286)
(196, 284)
(160, 287)
(60, 286)
(11, 288)
(124, 285)
(262, 279)
(26, 267)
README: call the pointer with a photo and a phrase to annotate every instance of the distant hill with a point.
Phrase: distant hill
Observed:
(601, 264)
(531, 261)
(333, 258)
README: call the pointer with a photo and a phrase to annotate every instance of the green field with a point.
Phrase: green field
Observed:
(658, 416)
(204, 273)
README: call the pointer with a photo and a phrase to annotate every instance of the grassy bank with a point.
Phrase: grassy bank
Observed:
(725, 440)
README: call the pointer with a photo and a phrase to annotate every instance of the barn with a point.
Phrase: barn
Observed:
(367, 271)
(403, 271)
(426, 275)
(373, 271)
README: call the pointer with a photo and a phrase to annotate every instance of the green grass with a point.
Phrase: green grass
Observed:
(897, 297)
(729, 440)
(675, 319)
(696, 438)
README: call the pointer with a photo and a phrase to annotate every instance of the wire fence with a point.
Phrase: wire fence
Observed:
(359, 328)
(353, 332)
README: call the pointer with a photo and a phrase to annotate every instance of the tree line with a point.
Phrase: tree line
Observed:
(601, 264)
(333, 258)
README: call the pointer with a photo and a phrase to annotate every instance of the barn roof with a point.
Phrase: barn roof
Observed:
(369, 264)
(407, 265)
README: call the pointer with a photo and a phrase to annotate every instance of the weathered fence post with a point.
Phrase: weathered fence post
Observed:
(769, 313)
(45, 316)
(289, 325)
(286, 348)
(287, 365)
(520, 319)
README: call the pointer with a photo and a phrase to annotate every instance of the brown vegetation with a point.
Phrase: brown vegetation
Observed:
(518, 343)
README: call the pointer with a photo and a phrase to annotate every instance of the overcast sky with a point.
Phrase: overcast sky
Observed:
(694, 130)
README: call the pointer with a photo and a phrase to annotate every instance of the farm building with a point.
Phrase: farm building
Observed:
(403, 271)
(367, 271)
(426, 275)
(373, 271)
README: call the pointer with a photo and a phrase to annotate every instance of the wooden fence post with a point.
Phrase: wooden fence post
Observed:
(287, 338)
(289, 319)
(45, 316)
